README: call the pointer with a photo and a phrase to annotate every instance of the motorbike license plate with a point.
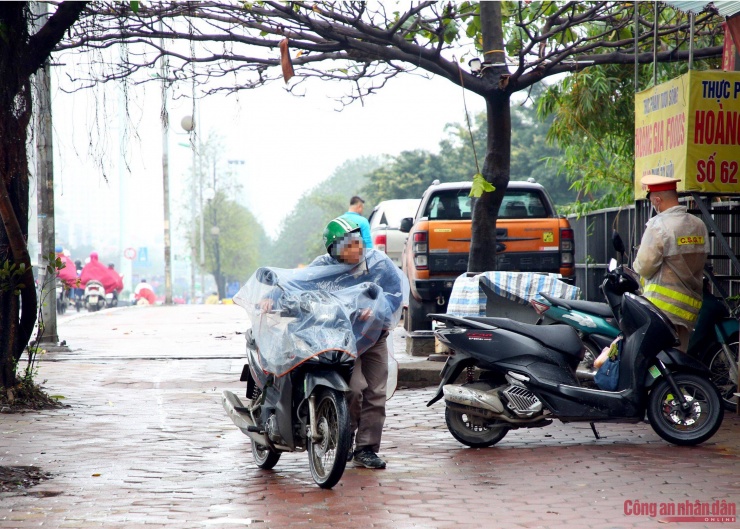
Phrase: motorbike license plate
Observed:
(93, 299)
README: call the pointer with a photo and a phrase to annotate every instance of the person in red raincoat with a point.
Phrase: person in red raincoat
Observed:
(144, 291)
(68, 274)
(95, 270)
(116, 276)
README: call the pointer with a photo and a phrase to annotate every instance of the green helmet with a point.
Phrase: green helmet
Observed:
(337, 229)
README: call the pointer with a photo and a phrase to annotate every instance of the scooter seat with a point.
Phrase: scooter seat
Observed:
(561, 337)
(590, 307)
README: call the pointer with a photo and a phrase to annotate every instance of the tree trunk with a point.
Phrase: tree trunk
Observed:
(17, 312)
(21, 55)
(498, 148)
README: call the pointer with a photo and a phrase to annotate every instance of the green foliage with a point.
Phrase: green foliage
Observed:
(11, 276)
(299, 241)
(26, 391)
(404, 176)
(410, 173)
(240, 242)
(480, 186)
(240, 245)
(593, 113)
(593, 122)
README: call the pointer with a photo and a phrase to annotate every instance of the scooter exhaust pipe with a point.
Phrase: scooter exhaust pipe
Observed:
(473, 397)
(239, 415)
(488, 405)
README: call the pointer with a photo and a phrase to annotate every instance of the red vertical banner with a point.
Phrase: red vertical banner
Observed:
(731, 44)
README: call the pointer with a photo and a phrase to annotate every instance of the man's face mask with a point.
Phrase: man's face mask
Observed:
(349, 249)
(655, 203)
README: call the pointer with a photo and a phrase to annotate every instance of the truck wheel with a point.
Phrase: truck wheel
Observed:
(416, 316)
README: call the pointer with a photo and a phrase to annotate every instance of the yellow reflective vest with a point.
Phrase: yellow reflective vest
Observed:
(671, 259)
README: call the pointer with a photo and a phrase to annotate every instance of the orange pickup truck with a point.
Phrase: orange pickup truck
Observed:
(531, 237)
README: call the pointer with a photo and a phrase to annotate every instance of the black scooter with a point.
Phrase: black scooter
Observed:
(528, 375)
(305, 408)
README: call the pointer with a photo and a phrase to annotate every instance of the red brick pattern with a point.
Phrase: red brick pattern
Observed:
(145, 443)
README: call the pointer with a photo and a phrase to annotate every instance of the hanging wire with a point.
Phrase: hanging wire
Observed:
(467, 116)
(691, 40)
(655, 47)
(637, 41)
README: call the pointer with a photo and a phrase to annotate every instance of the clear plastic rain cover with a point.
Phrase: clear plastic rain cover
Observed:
(299, 313)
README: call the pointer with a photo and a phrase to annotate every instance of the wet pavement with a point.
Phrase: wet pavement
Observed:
(144, 442)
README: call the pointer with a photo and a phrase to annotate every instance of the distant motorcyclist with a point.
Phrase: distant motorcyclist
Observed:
(67, 274)
(79, 291)
(144, 294)
(115, 276)
(97, 271)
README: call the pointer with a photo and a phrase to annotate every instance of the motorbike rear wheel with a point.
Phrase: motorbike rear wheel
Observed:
(724, 374)
(263, 456)
(471, 431)
(327, 457)
(669, 421)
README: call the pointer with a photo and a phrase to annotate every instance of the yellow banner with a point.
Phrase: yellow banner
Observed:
(660, 132)
(689, 128)
(713, 149)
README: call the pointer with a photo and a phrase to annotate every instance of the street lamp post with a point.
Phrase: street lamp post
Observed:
(188, 124)
(166, 181)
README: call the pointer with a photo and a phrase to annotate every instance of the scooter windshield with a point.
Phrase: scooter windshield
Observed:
(297, 314)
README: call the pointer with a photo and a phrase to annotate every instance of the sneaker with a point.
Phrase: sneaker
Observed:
(368, 459)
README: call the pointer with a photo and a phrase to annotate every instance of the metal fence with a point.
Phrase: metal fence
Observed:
(593, 240)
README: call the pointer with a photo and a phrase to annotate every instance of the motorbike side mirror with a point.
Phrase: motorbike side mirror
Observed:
(618, 244)
(406, 224)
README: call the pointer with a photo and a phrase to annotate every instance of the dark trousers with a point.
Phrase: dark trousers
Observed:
(367, 398)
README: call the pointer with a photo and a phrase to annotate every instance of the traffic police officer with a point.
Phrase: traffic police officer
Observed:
(671, 256)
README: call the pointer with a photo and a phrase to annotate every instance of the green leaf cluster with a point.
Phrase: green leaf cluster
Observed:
(480, 186)
(241, 241)
(593, 122)
(410, 173)
(11, 277)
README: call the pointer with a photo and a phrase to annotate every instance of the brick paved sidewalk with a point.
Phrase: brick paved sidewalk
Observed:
(145, 443)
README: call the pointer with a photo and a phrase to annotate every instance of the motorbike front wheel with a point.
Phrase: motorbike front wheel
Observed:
(471, 431)
(327, 456)
(685, 428)
(724, 371)
(264, 457)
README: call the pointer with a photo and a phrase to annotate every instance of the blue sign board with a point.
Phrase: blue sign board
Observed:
(232, 289)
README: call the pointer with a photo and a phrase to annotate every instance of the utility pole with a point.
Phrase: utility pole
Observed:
(166, 180)
(45, 197)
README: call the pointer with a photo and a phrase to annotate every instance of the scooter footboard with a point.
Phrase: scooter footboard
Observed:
(602, 404)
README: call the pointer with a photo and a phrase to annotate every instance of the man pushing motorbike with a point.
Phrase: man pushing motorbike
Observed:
(344, 246)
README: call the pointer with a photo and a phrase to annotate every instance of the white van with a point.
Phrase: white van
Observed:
(385, 221)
